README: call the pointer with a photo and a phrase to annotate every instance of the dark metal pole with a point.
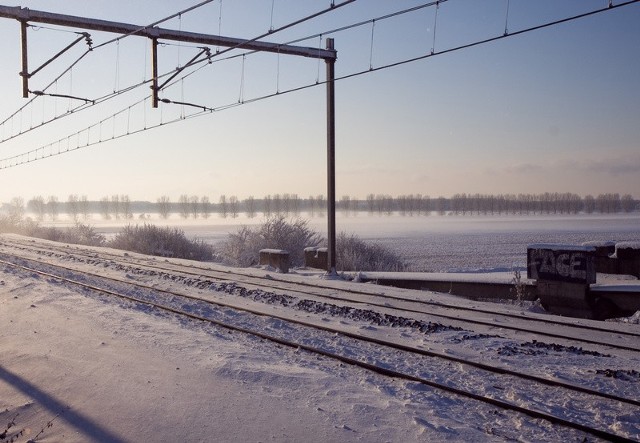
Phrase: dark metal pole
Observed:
(331, 161)
(25, 63)
(154, 72)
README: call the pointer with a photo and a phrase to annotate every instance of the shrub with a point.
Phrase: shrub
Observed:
(166, 242)
(7, 225)
(79, 234)
(353, 254)
(83, 235)
(243, 247)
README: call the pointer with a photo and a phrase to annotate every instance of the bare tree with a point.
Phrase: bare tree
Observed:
(312, 205)
(388, 204)
(164, 207)
(589, 204)
(125, 205)
(183, 203)
(224, 206)
(84, 207)
(194, 205)
(424, 204)
(37, 206)
(250, 206)
(205, 205)
(234, 206)
(627, 203)
(53, 208)
(115, 206)
(105, 208)
(16, 209)
(441, 205)
(286, 204)
(322, 204)
(345, 205)
(277, 204)
(295, 204)
(267, 206)
(73, 207)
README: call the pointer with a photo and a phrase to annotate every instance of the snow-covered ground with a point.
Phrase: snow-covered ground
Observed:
(97, 369)
(432, 243)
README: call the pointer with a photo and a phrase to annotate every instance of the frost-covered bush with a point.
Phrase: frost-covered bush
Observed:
(82, 234)
(79, 234)
(243, 247)
(8, 224)
(167, 242)
(354, 254)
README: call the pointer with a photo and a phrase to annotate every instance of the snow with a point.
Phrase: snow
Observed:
(130, 375)
(458, 277)
(600, 243)
(105, 370)
(561, 247)
(628, 245)
(428, 243)
(274, 251)
(618, 286)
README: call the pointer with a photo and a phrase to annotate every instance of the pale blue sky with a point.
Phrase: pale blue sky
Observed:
(551, 110)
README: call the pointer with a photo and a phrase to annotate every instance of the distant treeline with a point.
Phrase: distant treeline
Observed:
(121, 206)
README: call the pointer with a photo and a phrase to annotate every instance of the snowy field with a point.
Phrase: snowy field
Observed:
(433, 243)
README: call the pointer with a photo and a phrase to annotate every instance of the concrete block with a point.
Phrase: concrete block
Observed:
(315, 257)
(276, 258)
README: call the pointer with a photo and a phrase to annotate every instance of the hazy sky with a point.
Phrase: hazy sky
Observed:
(552, 110)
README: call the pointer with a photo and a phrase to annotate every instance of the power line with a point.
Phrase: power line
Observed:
(328, 32)
(491, 39)
(174, 71)
(151, 25)
(41, 152)
(432, 53)
(26, 157)
(91, 47)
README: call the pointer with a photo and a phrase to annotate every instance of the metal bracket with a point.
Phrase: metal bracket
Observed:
(25, 74)
(155, 87)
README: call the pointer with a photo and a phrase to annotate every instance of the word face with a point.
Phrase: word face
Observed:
(569, 265)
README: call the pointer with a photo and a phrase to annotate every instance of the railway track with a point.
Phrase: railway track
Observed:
(416, 361)
(572, 332)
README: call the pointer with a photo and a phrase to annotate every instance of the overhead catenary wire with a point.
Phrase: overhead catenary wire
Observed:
(157, 22)
(91, 48)
(97, 101)
(40, 153)
(334, 31)
(7, 162)
(420, 57)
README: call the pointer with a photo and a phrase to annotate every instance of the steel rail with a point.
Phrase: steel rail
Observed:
(348, 360)
(405, 348)
(286, 285)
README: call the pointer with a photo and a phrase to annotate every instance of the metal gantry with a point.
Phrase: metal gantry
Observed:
(154, 33)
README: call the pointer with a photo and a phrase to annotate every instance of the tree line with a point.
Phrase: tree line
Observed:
(121, 207)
